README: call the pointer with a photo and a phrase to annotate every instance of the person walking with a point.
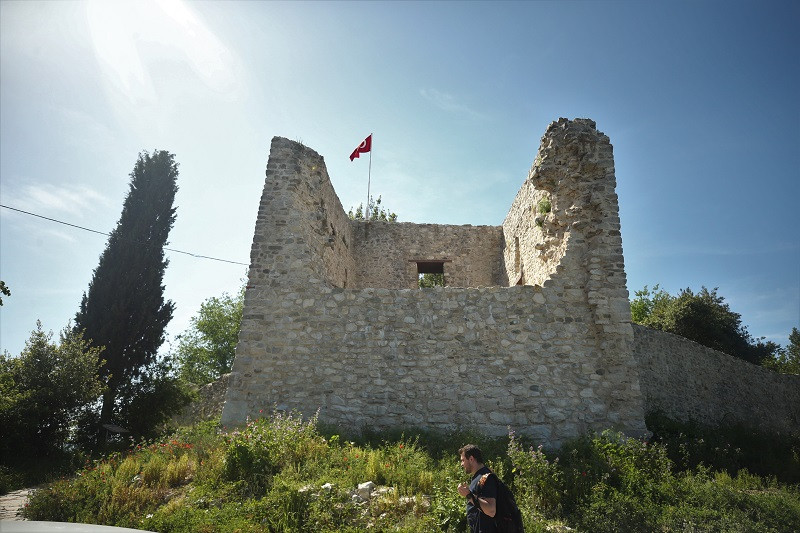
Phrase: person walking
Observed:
(481, 492)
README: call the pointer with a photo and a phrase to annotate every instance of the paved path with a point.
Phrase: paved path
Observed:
(12, 503)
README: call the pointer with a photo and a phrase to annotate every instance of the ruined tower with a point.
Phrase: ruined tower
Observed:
(531, 331)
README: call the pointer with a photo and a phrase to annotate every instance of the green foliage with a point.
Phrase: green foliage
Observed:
(124, 309)
(538, 480)
(787, 360)
(266, 446)
(42, 393)
(610, 483)
(374, 210)
(4, 290)
(10, 479)
(544, 206)
(704, 318)
(428, 281)
(648, 304)
(119, 489)
(728, 448)
(280, 473)
(148, 402)
(206, 350)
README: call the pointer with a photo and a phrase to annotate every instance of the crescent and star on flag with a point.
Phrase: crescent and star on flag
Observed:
(363, 148)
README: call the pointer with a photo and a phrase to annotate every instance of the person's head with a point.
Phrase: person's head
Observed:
(471, 458)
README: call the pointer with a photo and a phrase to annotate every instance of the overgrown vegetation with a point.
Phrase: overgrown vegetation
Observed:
(49, 400)
(206, 350)
(787, 360)
(374, 211)
(43, 393)
(544, 206)
(282, 473)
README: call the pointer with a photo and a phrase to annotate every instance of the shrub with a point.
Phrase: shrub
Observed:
(544, 206)
(117, 489)
(42, 392)
(267, 445)
(728, 448)
(538, 481)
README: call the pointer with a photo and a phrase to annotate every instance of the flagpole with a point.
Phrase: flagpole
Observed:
(369, 178)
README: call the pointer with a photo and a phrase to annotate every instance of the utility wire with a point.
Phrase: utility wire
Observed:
(108, 235)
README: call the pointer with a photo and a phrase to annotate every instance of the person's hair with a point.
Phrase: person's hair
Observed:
(470, 450)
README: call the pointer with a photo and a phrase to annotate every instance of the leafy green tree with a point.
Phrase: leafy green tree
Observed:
(427, 281)
(704, 318)
(376, 212)
(649, 303)
(4, 290)
(148, 403)
(124, 309)
(206, 350)
(44, 391)
(787, 360)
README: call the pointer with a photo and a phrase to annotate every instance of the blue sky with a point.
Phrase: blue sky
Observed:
(700, 100)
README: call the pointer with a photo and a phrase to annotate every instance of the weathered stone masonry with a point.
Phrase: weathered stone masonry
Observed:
(532, 330)
(687, 381)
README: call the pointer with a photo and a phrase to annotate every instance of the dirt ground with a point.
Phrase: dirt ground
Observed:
(12, 503)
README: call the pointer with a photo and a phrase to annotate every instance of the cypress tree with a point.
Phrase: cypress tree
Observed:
(124, 308)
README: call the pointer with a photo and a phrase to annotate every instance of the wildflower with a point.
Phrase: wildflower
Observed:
(583, 474)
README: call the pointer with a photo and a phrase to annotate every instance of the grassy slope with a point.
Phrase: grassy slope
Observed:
(283, 474)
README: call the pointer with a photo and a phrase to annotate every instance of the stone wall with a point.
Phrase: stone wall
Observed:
(302, 236)
(208, 405)
(440, 358)
(386, 253)
(688, 381)
(331, 321)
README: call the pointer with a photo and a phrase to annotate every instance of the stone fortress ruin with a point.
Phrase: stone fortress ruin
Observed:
(532, 329)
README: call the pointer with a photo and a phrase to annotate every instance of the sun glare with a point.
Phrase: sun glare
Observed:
(128, 37)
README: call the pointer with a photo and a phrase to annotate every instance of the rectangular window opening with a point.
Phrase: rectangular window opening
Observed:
(430, 274)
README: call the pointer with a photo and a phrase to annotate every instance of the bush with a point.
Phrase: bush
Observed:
(42, 394)
(728, 448)
(119, 489)
(267, 445)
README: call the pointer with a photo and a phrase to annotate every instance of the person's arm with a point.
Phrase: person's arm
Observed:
(488, 506)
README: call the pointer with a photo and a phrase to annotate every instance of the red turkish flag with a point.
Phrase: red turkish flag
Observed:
(363, 148)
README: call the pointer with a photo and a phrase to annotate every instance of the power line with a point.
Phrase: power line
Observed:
(108, 235)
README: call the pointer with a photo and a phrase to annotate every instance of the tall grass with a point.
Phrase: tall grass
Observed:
(282, 473)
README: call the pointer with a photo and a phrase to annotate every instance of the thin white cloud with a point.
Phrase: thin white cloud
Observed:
(58, 234)
(448, 102)
(55, 200)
